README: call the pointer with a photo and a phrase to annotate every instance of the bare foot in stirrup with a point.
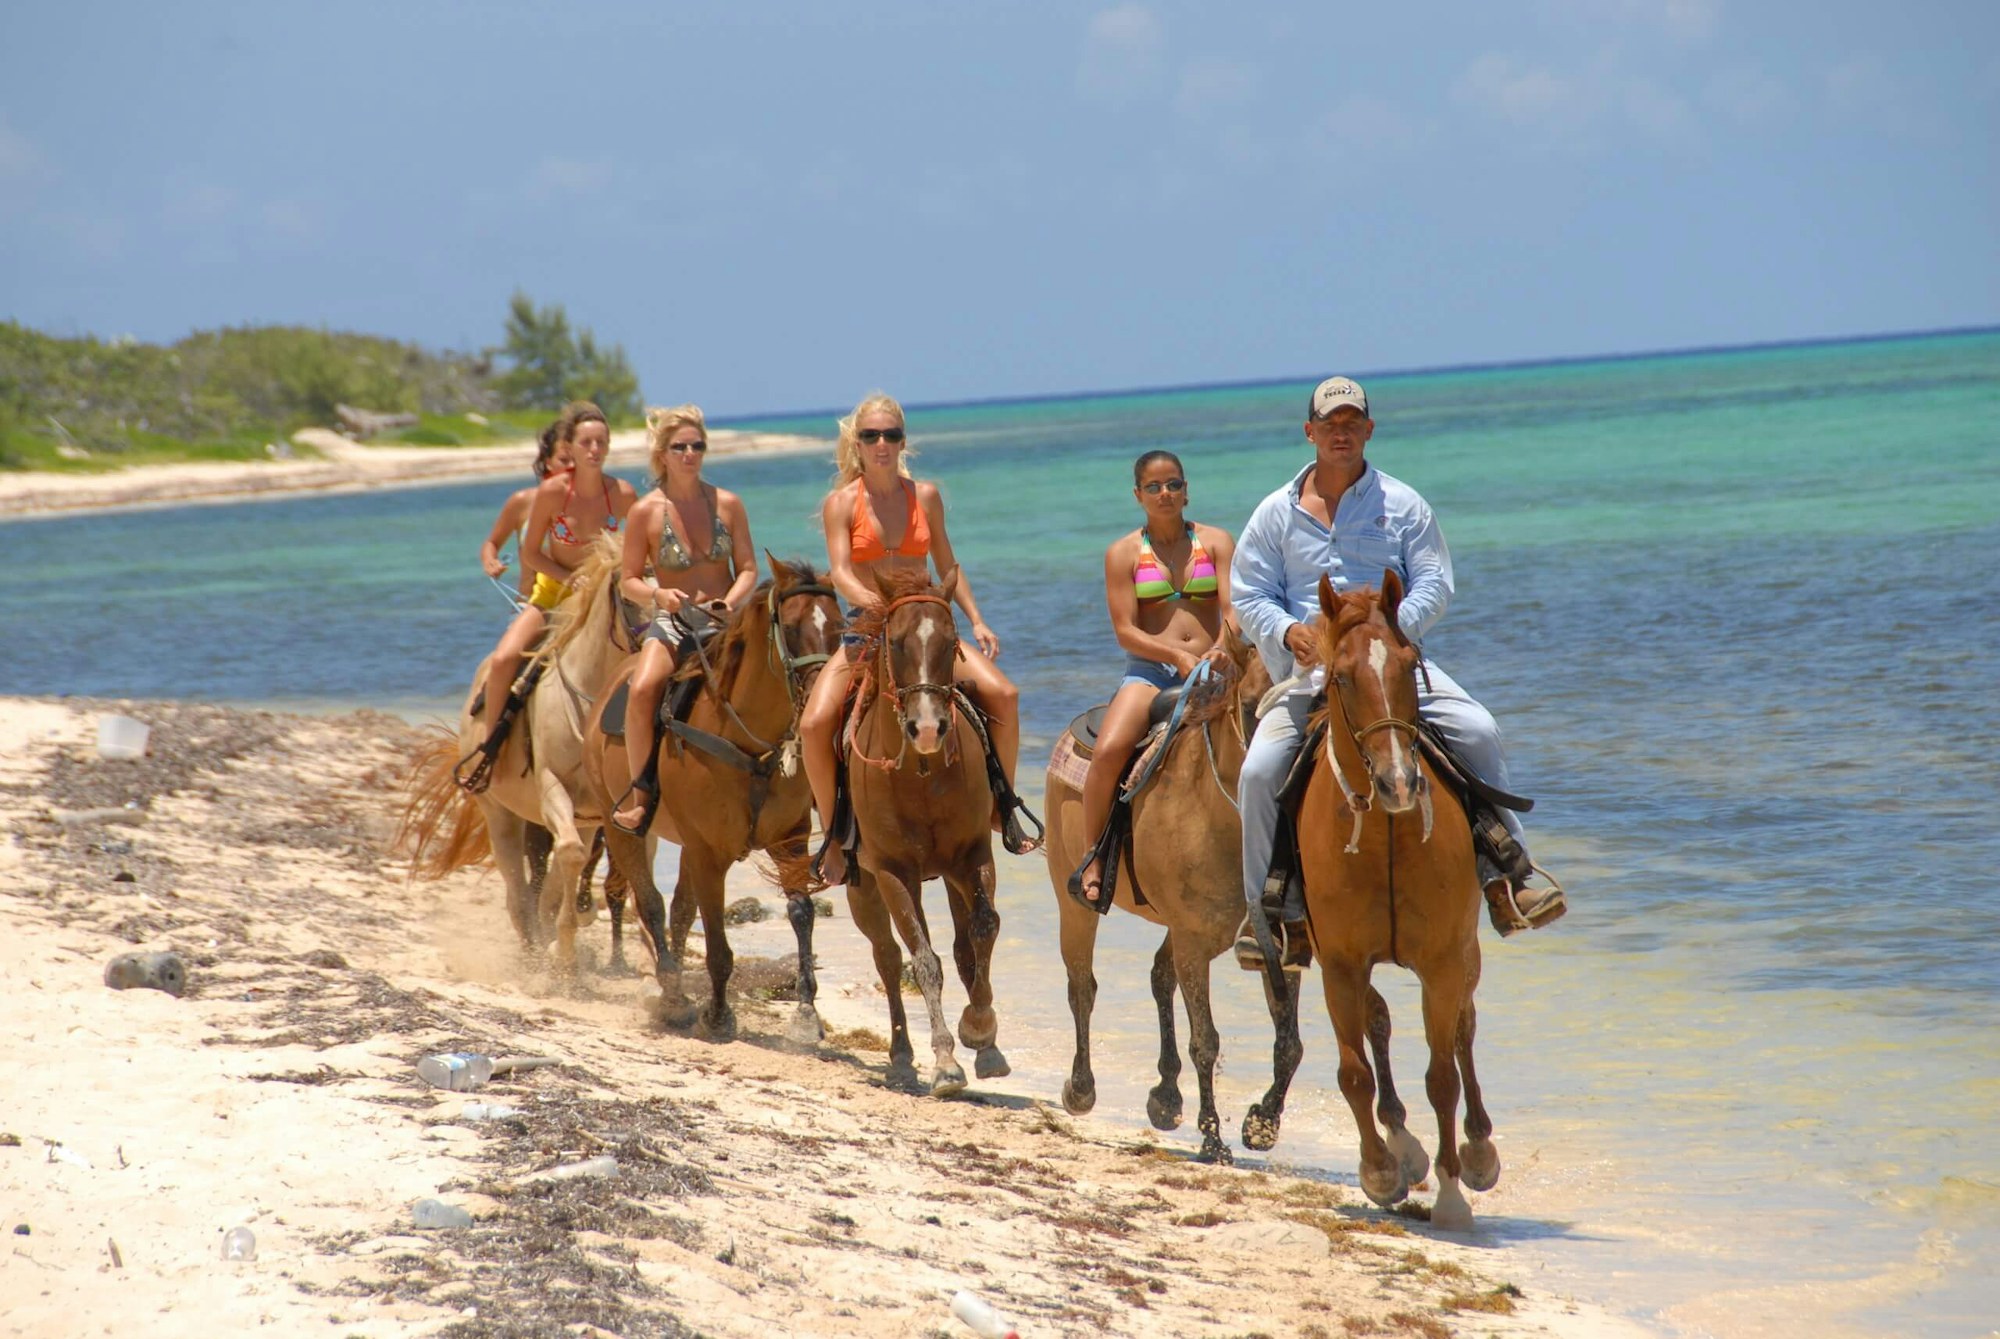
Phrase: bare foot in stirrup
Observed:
(1087, 884)
(830, 865)
(634, 816)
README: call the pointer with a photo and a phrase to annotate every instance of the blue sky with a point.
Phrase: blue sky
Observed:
(781, 207)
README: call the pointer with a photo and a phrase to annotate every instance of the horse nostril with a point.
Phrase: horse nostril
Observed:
(910, 727)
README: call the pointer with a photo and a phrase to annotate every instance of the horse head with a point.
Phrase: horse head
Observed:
(1371, 688)
(919, 652)
(806, 624)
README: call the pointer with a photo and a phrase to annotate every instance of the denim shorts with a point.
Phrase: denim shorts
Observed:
(1153, 672)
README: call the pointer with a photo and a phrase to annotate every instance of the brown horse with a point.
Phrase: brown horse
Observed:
(537, 776)
(730, 784)
(917, 779)
(1186, 856)
(1387, 860)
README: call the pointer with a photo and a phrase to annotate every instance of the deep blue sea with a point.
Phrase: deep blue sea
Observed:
(1739, 615)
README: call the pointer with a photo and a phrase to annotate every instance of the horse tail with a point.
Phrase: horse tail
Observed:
(441, 829)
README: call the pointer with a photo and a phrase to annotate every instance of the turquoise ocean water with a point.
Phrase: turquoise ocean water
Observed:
(1739, 613)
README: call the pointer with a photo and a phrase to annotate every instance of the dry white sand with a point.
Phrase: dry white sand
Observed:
(331, 463)
(761, 1191)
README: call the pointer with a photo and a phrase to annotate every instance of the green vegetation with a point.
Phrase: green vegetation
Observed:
(87, 404)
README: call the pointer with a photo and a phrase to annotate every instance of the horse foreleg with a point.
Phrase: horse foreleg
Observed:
(1261, 1122)
(631, 857)
(1190, 967)
(536, 844)
(1163, 1104)
(805, 1029)
(702, 875)
(1347, 1003)
(1078, 932)
(975, 929)
(1479, 1161)
(900, 891)
(1445, 1001)
(615, 892)
(558, 905)
(864, 903)
(513, 855)
(1389, 1107)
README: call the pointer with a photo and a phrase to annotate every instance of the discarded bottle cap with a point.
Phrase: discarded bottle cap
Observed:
(436, 1213)
(148, 971)
(239, 1243)
(981, 1318)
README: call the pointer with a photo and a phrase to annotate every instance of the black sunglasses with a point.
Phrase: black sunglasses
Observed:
(696, 447)
(1154, 488)
(870, 436)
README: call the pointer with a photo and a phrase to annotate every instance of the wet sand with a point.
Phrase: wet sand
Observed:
(760, 1191)
(329, 463)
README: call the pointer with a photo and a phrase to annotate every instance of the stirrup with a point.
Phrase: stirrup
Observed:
(650, 788)
(480, 760)
(1012, 835)
(1503, 905)
(816, 868)
(1074, 887)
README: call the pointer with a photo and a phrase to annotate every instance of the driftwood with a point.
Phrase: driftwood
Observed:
(363, 423)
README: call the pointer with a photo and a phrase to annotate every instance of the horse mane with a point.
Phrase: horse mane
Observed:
(742, 626)
(587, 611)
(870, 621)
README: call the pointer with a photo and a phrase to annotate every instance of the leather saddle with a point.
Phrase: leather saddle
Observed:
(681, 692)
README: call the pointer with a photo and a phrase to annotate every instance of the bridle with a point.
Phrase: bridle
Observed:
(882, 678)
(783, 661)
(1360, 801)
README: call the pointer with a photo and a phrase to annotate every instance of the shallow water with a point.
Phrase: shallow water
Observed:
(1740, 616)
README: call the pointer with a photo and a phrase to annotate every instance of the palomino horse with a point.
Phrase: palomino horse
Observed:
(1185, 856)
(917, 779)
(537, 776)
(1387, 860)
(730, 784)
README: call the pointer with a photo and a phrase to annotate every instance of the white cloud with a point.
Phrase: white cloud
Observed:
(1124, 55)
(554, 178)
(1212, 86)
(199, 204)
(1574, 109)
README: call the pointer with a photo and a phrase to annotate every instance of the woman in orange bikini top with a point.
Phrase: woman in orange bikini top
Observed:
(878, 518)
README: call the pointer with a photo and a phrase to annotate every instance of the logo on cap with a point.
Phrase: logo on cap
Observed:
(1334, 392)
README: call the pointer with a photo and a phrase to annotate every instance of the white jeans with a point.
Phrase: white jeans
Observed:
(1471, 730)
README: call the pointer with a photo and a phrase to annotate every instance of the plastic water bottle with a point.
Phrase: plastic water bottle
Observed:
(436, 1213)
(982, 1319)
(459, 1071)
(239, 1243)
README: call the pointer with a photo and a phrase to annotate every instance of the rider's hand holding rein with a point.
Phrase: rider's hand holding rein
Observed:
(1299, 641)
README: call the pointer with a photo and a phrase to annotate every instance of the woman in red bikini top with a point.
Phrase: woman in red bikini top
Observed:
(570, 510)
(879, 518)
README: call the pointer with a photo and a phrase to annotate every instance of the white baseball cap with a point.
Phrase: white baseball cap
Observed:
(1334, 392)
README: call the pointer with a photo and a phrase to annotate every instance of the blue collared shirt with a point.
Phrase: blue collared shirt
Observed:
(1379, 523)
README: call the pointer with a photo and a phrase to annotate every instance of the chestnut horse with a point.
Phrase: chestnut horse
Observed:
(730, 784)
(1186, 856)
(916, 777)
(537, 776)
(1387, 860)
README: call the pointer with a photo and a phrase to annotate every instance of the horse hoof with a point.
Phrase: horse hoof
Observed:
(1260, 1132)
(1384, 1185)
(1479, 1164)
(1409, 1151)
(1078, 1100)
(948, 1082)
(902, 1076)
(675, 1014)
(1450, 1212)
(1163, 1109)
(990, 1064)
(1213, 1150)
(805, 1029)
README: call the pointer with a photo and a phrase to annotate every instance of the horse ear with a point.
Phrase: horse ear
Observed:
(781, 572)
(949, 586)
(1328, 601)
(1392, 600)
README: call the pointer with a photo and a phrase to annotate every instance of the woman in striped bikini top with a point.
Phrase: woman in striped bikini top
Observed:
(1165, 628)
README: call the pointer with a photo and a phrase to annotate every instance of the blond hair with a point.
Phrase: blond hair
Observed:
(662, 424)
(847, 452)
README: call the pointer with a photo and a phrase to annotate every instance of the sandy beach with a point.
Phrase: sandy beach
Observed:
(759, 1190)
(328, 463)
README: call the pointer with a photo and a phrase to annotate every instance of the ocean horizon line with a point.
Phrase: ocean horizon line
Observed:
(1443, 369)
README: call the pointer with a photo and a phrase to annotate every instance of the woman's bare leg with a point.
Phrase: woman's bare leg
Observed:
(656, 664)
(505, 664)
(817, 725)
(1124, 726)
(999, 699)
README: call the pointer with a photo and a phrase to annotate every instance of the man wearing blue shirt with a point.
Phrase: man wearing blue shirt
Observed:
(1344, 518)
